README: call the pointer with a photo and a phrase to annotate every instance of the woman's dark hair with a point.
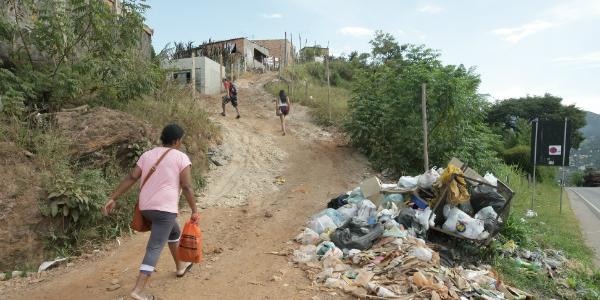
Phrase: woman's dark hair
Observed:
(281, 94)
(170, 134)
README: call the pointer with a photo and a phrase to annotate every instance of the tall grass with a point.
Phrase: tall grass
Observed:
(174, 103)
(59, 171)
(550, 229)
(315, 95)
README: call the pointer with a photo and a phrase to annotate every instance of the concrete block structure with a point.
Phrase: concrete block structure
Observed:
(207, 73)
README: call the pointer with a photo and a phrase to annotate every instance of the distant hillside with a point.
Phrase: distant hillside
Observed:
(588, 155)
(593, 125)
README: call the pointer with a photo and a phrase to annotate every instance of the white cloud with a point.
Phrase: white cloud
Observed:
(591, 57)
(272, 16)
(515, 34)
(431, 9)
(557, 15)
(356, 31)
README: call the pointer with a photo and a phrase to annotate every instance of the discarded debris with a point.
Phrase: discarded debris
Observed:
(531, 214)
(49, 264)
(368, 242)
(279, 180)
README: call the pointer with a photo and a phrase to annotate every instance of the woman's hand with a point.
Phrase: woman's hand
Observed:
(195, 217)
(108, 207)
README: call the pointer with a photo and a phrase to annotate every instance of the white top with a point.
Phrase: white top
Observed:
(279, 103)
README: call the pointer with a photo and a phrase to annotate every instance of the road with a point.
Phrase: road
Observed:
(586, 205)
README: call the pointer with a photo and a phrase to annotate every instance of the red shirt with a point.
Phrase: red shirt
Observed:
(227, 85)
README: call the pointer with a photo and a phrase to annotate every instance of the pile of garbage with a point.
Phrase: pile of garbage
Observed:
(368, 241)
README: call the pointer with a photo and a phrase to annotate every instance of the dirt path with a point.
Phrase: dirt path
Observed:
(245, 215)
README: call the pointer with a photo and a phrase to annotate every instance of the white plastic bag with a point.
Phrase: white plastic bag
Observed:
(491, 179)
(486, 213)
(385, 186)
(335, 216)
(427, 179)
(304, 254)
(424, 254)
(349, 211)
(367, 211)
(424, 218)
(461, 223)
(321, 224)
(308, 237)
(335, 283)
(408, 182)
(334, 252)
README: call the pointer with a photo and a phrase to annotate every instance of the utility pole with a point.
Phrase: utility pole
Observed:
(537, 122)
(424, 120)
(328, 84)
(193, 74)
(292, 75)
(562, 178)
(299, 46)
(285, 50)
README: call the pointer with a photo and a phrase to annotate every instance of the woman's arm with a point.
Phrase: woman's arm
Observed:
(289, 104)
(125, 184)
(185, 181)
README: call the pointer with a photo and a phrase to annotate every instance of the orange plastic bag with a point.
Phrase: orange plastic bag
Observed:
(190, 244)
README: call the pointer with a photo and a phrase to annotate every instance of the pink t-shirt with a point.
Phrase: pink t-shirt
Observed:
(162, 190)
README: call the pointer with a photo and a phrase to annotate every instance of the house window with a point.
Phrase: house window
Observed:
(188, 77)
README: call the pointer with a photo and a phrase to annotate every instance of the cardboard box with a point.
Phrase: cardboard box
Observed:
(371, 189)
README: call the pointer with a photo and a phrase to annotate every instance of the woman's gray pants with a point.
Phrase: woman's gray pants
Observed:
(164, 229)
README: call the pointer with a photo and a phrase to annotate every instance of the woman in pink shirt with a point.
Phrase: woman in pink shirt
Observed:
(158, 201)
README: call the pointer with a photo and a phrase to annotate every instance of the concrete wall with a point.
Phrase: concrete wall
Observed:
(209, 76)
(207, 73)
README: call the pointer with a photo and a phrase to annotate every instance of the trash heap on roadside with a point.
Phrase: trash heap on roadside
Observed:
(368, 241)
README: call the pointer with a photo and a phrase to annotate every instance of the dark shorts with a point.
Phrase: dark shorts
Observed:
(233, 100)
(284, 110)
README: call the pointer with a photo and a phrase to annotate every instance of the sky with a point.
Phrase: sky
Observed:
(518, 47)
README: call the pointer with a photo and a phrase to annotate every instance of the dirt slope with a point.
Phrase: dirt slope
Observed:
(245, 215)
(19, 214)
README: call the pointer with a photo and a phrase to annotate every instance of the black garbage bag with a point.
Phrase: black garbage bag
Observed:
(338, 201)
(407, 218)
(483, 196)
(356, 235)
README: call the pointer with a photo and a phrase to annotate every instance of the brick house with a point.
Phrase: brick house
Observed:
(277, 50)
(247, 54)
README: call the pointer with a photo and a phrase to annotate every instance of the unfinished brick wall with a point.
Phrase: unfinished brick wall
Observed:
(276, 48)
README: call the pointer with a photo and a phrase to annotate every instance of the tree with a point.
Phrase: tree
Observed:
(385, 47)
(73, 52)
(503, 113)
(385, 109)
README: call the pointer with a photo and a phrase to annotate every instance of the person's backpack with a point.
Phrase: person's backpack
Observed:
(232, 90)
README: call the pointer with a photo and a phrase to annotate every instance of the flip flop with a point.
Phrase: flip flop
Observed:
(185, 271)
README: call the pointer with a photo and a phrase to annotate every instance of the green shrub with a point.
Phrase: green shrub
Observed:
(518, 156)
(385, 113)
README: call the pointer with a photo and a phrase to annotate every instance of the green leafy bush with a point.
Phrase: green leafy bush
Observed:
(72, 53)
(79, 199)
(385, 112)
